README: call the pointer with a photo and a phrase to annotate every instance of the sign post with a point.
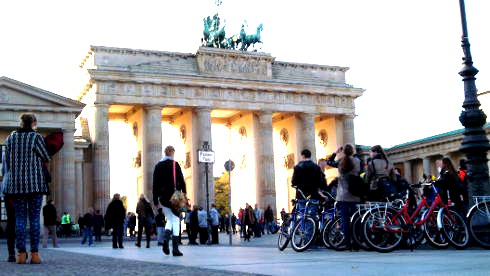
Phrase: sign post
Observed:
(206, 156)
(229, 166)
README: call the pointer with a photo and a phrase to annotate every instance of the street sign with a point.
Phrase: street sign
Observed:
(206, 156)
(229, 165)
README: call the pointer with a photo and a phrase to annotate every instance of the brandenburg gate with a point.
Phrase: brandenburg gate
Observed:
(274, 108)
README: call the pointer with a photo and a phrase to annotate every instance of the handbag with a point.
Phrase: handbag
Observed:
(179, 199)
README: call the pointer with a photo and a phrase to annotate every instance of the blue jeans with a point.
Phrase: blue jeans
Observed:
(27, 206)
(347, 209)
(88, 233)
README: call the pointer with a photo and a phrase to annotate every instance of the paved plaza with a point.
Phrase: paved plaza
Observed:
(257, 257)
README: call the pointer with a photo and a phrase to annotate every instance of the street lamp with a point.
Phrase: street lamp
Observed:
(475, 143)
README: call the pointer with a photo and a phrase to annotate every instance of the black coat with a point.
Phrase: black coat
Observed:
(163, 182)
(115, 215)
(88, 220)
(308, 177)
(98, 221)
(49, 214)
(194, 220)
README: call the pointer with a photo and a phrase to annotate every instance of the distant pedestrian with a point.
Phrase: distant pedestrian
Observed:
(114, 219)
(146, 219)
(66, 224)
(249, 222)
(168, 181)
(259, 215)
(203, 225)
(49, 215)
(25, 153)
(81, 223)
(215, 223)
(132, 224)
(194, 225)
(9, 206)
(88, 220)
(269, 218)
(160, 223)
(98, 224)
(233, 223)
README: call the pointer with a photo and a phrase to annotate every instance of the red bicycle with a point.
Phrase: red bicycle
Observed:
(385, 227)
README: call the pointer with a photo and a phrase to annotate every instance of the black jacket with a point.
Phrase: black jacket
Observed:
(451, 183)
(88, 220)
(307, 177)
(49, 214)
(194, 220)
(163, 182)
(98, 221)
(115, 215)
(160, 220)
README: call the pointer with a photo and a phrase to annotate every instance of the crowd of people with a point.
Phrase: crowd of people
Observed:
(375, 180)
(26, 180)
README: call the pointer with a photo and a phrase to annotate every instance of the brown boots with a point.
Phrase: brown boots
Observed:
(22, 258)
(35, 259)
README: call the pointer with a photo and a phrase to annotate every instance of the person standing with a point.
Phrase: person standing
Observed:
(132, 224)
(215, 223)
(307, 177)
(66, 224)
(378, 174)
(168, 178)
(25, 153)
(88, 220)
(98, 224)
(114, 218)
(202, 216)
(194, 225)
(146, 219)
(160, 223)
(269, 218)
(249, 221)
(233, 223)
(348, 166)
(9, 206)
(49, 215)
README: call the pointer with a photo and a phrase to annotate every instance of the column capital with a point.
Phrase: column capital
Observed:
(203, 109)
(153, 107)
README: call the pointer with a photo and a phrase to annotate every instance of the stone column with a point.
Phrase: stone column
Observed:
(79, 191)
(68, 180)
(407, 168)
(307, 123)
(426, 165)
(202, 133)
(349, 137)
(101, 161)
(264, 160)
(152, 145)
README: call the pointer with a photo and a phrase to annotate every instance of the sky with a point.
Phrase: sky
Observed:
(406, 54)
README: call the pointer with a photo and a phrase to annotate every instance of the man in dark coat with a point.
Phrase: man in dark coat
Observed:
(49, 215)
(98, 224)
(114, 218)
(194, 225)
(307, 177)
(168, 178)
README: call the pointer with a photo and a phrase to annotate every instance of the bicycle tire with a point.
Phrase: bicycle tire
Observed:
(311, 226)
(375, 234)
(479, 224)
(455, 230)
(432, 234)
(283, 238)
(357, 233)
(335, 234)
(324, 233)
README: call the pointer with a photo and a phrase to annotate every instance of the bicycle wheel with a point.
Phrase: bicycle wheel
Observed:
(335, 234)
(377, 225)
(304, 233)
(479, 224)
(434, 237)
(357, 233)
(454, 229)
(324, 233)
(283, 238)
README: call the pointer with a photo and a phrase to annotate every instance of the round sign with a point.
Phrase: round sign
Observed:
(229, 165)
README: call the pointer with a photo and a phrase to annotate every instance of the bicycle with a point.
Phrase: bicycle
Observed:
(478, 218)
(385, 228)
(289, 221)
(305, 230)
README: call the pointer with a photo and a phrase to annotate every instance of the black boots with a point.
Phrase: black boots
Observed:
(175, 246)
(166, 239)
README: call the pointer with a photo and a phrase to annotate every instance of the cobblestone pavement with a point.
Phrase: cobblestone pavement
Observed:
(57, 262)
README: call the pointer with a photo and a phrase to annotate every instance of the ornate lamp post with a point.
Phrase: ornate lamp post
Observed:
(475, 143)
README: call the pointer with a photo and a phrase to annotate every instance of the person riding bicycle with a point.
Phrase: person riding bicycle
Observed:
(307, 177)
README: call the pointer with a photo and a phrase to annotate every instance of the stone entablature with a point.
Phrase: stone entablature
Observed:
(126, 76)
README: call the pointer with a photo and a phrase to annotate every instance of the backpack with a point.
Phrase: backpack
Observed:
(356, 185)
